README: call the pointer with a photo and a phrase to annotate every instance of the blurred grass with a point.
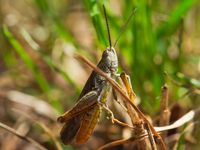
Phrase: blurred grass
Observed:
(175, 17)
(39, 77)
(155, 41)
(143, 46)
(145, 56)
(27, 60)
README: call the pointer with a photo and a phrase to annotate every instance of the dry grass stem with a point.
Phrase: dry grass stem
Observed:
(25, 138)
(118, 88)
(43, 126)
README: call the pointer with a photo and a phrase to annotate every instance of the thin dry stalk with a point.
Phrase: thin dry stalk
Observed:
(184, 119)
(123, 124)
(25, 138)
(164, 110)
(121, 91)
(124, 141)
(43, 126)
(135, 118)
(150, 136)
(10, 141)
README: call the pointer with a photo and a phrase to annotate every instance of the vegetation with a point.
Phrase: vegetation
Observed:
(40, 78)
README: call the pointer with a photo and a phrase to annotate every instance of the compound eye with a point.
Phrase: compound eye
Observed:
(105, 53)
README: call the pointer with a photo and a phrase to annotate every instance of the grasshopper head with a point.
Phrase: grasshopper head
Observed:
(110, 60)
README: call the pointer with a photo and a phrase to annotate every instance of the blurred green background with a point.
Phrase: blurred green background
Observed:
(38, 38)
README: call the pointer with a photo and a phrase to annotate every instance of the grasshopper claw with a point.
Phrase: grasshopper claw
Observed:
(112, 118)
(110, 113)
(60, 119)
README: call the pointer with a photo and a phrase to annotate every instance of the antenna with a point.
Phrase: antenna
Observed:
(107, 25)
(125, 25)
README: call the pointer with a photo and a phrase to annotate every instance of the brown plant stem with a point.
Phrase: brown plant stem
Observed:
(164, 110)
(122, 124)
(184, 119)
(118, 88)
(150, 135)
(46, 129)
(124, 141)
(25, 138)
(135, 118)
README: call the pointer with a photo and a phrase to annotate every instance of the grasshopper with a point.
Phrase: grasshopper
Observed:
(82, 118)
(79, 122)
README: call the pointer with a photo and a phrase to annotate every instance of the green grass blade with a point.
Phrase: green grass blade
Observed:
(43, 84)
(47, 59)
(94, 10)
(175, 17)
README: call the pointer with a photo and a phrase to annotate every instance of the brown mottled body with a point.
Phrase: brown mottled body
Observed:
(82, 118)
(88, 123)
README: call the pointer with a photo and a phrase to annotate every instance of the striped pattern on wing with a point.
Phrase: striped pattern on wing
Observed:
(70, 129)
(85, 103)
(88, 124)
